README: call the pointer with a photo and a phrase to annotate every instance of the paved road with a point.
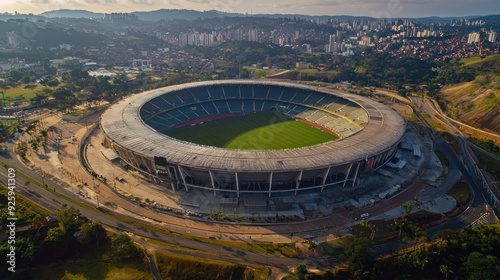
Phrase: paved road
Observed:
(468, 161)
(479, 204)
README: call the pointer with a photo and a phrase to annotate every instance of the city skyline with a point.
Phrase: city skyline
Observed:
(372, 8)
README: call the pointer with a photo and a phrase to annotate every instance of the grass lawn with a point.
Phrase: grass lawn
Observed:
(268, 130)
(89, 266)
(26, 211)
(173, 266)
(470, 61)
(19, 94)
(460, 191)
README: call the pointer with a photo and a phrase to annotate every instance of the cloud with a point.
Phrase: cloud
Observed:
(143, 2)
(93, 1)
(199, 1)
(108, 2)
(40, 1)
(174, 2)
(325, 3)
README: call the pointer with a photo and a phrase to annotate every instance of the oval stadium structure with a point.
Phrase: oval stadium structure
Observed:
(368, 133)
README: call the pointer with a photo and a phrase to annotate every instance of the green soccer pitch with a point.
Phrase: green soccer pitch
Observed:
(268, 130)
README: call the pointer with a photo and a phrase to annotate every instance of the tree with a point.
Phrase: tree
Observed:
(357, 256)
(367, 226)
(122, 248)
(416, 198)
(446, 270)
(53, 83)
(4, 88)
(400, 224)
(38, 98)
(313, 246)
(216, 215)
(30, 87)
(91, 233)
(68, 219)
(34, 144)
(90, 95)
(408, 207)
(301, 271)
(420, 257)
(480, 267)
(56, 235)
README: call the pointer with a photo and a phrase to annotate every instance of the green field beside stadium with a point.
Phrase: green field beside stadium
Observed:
(267, 130)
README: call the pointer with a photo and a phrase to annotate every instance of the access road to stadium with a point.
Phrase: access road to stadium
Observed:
(68, 168)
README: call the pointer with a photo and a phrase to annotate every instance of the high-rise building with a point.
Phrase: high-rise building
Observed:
(183, 39)
(339, 36)
(331, 43)
(193, 39)
(365, 41)
(473, 38)
(253, 35)
(220, 38)
(492, 37)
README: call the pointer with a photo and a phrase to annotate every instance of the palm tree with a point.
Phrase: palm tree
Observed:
(446, 270)
(408, 208)
(369, 227)
(401, 223)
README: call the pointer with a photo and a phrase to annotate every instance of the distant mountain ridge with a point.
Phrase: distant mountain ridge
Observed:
(176, 14)
(65, 13)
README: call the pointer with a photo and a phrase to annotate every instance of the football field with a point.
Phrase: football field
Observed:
(267, 130)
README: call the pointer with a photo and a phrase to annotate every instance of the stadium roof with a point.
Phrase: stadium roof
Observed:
(122, 123)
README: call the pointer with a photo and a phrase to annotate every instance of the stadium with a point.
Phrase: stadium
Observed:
(242, 137)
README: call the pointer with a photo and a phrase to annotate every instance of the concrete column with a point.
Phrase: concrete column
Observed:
(270, 183)
(324, 178)
(297, 181)
(212, 180)
(356, 174)
(183, 177)
(347, 175)
(237, 184)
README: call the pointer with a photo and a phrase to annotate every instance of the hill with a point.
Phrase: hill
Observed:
(490, 63)
(476, 103)
(184, 14)
(167, 15)
(71, 14)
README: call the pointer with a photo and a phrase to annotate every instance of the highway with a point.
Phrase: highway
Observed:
(468, 161)
(479, 204)
(465, 163)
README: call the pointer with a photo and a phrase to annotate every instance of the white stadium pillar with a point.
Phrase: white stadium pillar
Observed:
(183, 177)
(297, 181)
(347, 174)
(237, 184)
(324, 178)
(212, 180)
(270, 182)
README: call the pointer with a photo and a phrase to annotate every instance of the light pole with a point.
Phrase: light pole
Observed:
(239, 58)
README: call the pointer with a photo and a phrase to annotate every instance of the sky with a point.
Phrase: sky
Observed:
(372, 8)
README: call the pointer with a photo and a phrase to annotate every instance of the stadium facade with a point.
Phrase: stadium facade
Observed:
(369, 133)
